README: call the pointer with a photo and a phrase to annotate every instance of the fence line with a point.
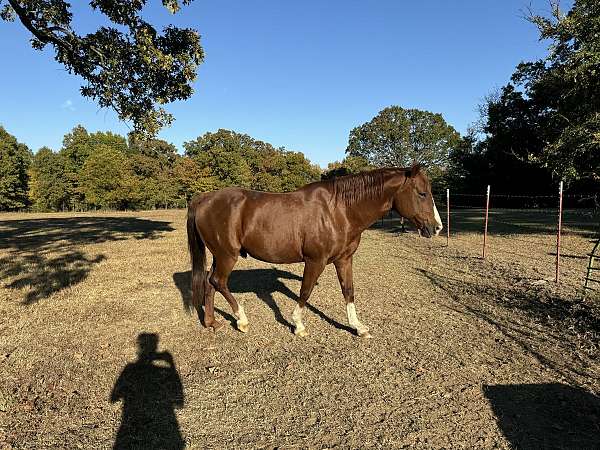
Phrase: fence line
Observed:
(486, 213)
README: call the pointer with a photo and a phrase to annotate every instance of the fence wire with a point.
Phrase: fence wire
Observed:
(522, 228)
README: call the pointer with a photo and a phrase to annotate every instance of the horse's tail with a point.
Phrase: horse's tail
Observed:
(197, 251)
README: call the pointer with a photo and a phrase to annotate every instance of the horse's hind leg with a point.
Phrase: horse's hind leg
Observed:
(218, 279)
(208, 318)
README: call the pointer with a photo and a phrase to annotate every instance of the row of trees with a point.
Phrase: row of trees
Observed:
(105, 170)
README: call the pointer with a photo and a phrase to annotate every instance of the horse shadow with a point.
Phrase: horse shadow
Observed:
(552, 415)
(263, 283)
(150, 389)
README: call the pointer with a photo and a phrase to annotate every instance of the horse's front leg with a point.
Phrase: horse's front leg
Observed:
(343, 268)
(312, 271)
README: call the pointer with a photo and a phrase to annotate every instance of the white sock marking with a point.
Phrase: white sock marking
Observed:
(353, 319)
(297, 318)
(242, 319)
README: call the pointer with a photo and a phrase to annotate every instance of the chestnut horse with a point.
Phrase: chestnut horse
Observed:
(319, 224)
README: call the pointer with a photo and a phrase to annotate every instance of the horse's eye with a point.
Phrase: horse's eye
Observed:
(422, 194)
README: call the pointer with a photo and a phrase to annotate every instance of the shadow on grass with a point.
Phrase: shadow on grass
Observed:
(262, 282)
(150, 389)
(555, 317)
(534, 416)
(44, 255)
(40, 235)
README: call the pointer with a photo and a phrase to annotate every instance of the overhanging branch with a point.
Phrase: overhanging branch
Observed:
(45, 36)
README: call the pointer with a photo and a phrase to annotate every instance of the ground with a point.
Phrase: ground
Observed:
(96, 350)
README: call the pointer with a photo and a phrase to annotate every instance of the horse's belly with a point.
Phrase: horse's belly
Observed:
(273, 251)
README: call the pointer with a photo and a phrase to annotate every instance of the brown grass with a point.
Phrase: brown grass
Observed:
(466, 353)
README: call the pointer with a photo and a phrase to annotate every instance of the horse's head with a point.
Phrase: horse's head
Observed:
(414, 201)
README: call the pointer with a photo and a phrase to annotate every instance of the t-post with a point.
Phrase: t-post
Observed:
(558, 230)
(487, 207)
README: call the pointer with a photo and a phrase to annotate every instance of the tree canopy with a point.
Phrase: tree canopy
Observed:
(545, 124)
(14, 162)
(564, 91)
(399, 137)
(108, 171)
(49, 189)
(237, 159)
(349, 165)
(130, 66)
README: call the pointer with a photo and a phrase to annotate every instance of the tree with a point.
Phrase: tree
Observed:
(548, 117)
(192, 179)
(76, 148)
(15, 159)
(399, 137)
(236, 159)
(78, 145)
(566, 89)
(129, 66)
(298, 171)
(513, 129)
(107, 181)
(163, 152)
(49, 186)
(349, 165)
(226, 154)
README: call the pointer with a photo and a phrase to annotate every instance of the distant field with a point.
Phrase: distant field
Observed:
(466, 353)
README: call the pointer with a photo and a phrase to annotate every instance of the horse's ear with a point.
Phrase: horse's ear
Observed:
(414, 170)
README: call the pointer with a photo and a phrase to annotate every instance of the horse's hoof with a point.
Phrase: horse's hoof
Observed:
(243, 327)
(301, 333)
(215, 325)
(365, 334)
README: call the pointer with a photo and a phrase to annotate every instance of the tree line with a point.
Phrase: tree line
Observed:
(103, 170)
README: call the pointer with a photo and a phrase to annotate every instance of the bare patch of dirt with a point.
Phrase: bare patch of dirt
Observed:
(96, 350)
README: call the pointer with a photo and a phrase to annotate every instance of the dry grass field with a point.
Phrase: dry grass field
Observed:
(96, 350)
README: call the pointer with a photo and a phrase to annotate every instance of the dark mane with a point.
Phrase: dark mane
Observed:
(354, 188)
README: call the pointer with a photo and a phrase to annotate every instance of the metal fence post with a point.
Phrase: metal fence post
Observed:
(558, 231)
(487, 207)
(447, 217)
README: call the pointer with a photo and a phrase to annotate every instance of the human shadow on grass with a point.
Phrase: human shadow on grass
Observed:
(44, 255)
(554, 415)
(150, 389)
(262, 282)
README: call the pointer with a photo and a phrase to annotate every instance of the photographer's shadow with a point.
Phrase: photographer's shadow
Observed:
(262, 282)
(150, 389)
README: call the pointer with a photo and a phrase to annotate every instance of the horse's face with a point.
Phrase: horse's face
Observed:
(415, 202)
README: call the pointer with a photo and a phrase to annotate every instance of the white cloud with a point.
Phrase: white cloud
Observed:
(68, 105)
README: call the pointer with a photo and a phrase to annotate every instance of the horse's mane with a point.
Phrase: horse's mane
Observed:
(354, 188)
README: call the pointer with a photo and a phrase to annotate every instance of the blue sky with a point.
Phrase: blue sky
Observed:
(295, 74)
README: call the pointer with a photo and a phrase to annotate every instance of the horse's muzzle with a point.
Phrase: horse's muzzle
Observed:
(424, 231)
(430, 231)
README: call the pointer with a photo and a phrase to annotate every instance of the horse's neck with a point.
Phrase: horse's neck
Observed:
(365, 213)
